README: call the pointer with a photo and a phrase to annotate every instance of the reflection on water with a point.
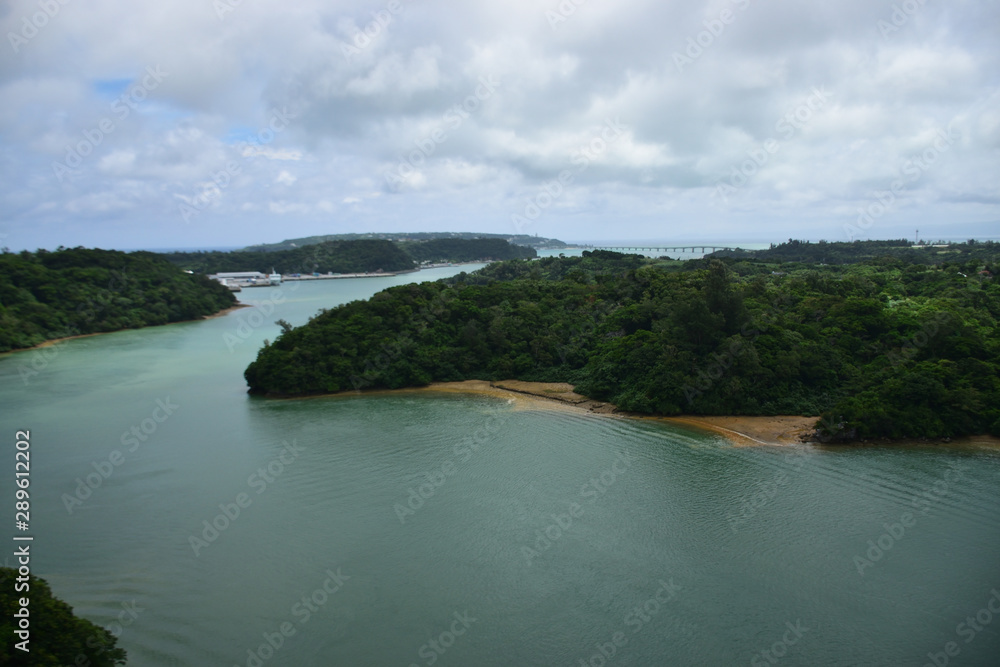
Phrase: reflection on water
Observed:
(525, 536)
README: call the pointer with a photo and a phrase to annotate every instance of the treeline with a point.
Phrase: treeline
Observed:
(47, 295)
(517, 239)
(357, 256)
(824, 252)
(329, 257)
(466, 250)
(58, 637)
(879, 349)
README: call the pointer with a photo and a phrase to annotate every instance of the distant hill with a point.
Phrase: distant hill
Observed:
(356, 256)
(328, 257)
(825, 252)
(516, 239)
(466, 250)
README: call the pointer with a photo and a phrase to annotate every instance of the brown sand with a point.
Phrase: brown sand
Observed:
(56, 341)
(780, 430)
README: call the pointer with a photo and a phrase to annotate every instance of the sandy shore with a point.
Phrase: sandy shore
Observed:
(56, 341)
(779, 430)
(745, 431)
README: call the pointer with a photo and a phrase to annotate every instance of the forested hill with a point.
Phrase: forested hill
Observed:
(823, 252)
(880, 349)
(466, 250)
(329, 257)
(360, 256)
(406, 237)
(47, 295)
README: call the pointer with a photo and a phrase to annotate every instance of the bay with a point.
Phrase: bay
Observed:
(420, 528)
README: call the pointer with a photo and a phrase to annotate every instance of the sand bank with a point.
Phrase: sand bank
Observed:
(56, 341)
(778, 430)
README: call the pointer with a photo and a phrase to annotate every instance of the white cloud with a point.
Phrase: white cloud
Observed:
(397, 103)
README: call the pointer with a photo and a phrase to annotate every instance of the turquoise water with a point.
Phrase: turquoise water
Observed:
(422, 528)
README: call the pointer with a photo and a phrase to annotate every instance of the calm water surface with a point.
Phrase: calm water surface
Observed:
(421, 528)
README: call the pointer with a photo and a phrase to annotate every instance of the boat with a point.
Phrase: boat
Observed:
(275, 277)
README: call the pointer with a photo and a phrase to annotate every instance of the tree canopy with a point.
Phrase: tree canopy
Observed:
(46, 295)
(877, 348)
(58, 637)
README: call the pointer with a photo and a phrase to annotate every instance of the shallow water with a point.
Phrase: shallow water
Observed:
(538, 537)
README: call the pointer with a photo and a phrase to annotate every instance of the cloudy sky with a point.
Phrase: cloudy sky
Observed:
(207, 123)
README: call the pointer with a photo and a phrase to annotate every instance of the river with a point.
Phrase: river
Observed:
(207, 527)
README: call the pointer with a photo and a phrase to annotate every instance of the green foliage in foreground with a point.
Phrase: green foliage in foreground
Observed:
(48, 295)
(57, 636)
(879, 349)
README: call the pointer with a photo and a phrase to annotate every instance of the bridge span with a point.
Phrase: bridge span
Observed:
(704, 249)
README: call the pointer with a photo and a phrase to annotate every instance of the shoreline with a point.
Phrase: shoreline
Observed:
(740, 430)
(55, 341)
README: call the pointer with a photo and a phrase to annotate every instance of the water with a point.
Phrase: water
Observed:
(538, 536)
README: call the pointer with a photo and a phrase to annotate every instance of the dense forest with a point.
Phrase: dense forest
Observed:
(328, 257)
(466, 250)
(57, 636)
(823, 252)
(46, 295)
(876, 348)
(358, 256)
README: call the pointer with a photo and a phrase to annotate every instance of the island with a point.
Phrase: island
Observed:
(877, 345)
(351, 256)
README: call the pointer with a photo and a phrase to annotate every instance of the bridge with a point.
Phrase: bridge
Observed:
(687, 248)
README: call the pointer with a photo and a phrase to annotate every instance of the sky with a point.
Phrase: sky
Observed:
(223, 123)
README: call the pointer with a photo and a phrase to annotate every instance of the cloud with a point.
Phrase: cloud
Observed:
(390, 118)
